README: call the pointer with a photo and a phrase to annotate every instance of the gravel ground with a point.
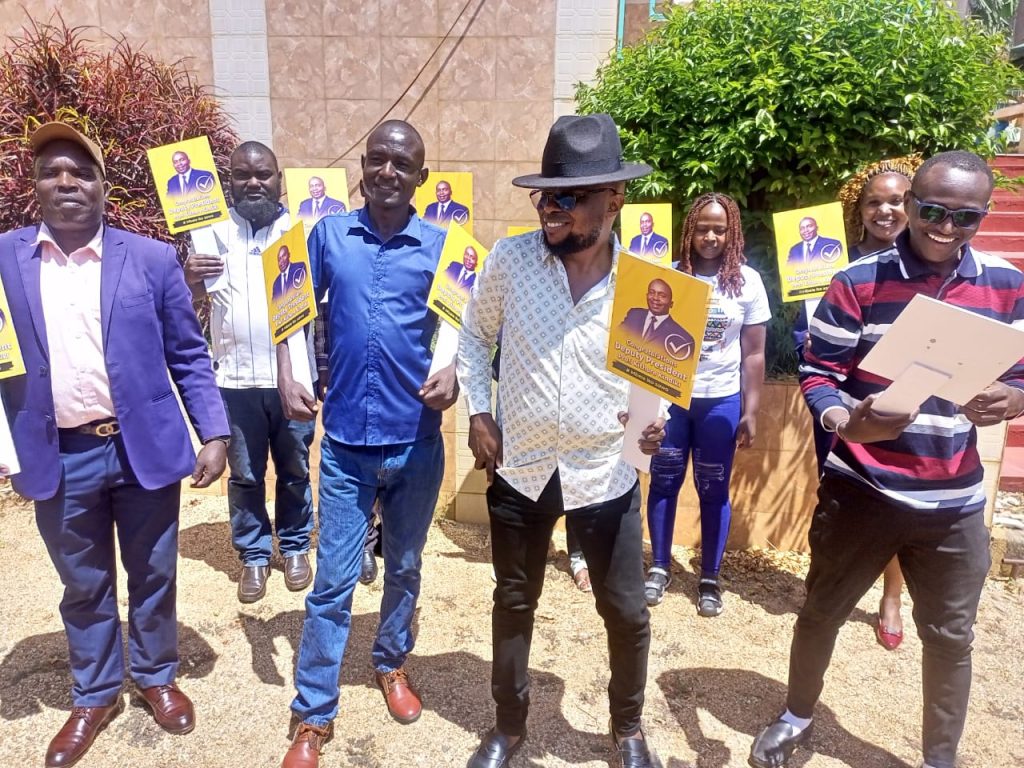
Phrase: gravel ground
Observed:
(712, 683)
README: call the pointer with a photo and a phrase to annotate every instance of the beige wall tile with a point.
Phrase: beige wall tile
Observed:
(467, 131)
(410, 19)
(296, 67)
(347, 122)
(470, 71)
(525, 17)
(288, 18)
(520, 129)
(423, 113)
(195, 52)
(357, 18)
(401, 58)
(525, 68)
(479, 20)
(300, 128)
(514, 202)
(352, 67)
(159, 18)
(471, 508)
(13, 15)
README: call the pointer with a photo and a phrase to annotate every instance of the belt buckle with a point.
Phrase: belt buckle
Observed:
(107, 429)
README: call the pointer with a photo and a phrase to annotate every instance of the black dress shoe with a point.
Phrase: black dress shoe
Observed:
(776, 743)
(494, 751)
(634, 753)
(368, 569)
(297, 573)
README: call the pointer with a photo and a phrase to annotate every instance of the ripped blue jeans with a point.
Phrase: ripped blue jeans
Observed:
(708, 429)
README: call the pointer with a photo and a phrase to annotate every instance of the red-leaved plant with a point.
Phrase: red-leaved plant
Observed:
(122, 97)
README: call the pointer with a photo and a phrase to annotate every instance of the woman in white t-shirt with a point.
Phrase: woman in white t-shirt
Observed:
(727, 391)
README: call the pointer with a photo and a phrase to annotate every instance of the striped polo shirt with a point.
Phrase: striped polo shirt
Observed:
(934, 464)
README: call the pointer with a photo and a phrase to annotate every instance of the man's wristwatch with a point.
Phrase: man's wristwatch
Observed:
(226, 439)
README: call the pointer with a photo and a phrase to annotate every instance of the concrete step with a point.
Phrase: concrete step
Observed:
(1015, 433)
(999, 220)
(1007, 202)
(1011, 474)
(1011, 165)
(1012, 242)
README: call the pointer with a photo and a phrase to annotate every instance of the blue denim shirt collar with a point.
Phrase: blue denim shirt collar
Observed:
(411, 232)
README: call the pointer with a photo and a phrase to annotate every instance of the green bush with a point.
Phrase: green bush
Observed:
(776, 102)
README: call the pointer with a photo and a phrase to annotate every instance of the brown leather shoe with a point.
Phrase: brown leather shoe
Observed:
(403, 701)
(297, 573)
(253, 584)
(171, 708)
(74, 739)
(307, 745)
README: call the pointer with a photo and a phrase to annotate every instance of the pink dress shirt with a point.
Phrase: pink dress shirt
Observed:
(69, 285)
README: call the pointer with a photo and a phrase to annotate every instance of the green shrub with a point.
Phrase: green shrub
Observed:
(121, 97)
(776, 102)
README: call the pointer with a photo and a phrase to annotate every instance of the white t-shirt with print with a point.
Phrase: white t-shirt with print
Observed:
(718, 372)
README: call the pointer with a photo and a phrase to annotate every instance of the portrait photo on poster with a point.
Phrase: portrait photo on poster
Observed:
(447, 198)
(289, 284)
(658, 320)
(186, 182)
(313, 193)
(647, 231)
(462, 258)
(810, 245)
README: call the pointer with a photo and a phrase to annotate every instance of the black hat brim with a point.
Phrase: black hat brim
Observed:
(627, 172)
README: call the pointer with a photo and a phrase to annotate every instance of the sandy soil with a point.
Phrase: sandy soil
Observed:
(712, 683)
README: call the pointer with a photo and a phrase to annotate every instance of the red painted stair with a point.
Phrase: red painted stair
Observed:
(1002, 234)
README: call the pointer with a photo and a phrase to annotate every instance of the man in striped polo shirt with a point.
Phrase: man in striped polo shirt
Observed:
(902, 485)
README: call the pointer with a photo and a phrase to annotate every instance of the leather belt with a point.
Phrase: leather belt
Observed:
(101, 428)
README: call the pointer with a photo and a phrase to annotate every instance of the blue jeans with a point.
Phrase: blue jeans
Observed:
(257, 419)
(708, 429)
(99, 496)
(407, 479)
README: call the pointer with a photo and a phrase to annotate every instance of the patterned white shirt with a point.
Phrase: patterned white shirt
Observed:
(558, 402)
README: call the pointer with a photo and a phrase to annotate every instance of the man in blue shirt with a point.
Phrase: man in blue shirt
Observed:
(382, 428)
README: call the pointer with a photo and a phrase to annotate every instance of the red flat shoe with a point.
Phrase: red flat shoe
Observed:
(888, 640)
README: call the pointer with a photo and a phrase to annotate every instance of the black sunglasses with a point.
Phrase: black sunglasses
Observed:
(933, 213)
(566, 200)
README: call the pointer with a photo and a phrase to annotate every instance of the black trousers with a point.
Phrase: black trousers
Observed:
(609, 535)
(944, 558)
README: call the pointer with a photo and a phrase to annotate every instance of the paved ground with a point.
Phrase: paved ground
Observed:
(712, 683)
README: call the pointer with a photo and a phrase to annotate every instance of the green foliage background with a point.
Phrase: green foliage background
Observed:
(777, 102)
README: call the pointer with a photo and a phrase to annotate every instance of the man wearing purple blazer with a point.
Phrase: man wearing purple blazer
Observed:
(102, 316)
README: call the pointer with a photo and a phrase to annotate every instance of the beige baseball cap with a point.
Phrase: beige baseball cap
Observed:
(55, 131)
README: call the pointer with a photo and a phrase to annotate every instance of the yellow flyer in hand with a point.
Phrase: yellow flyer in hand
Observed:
(461, 260)
(657, 324)
(11, 362)
(316, 192)
(447, 198)
(517, 229)
(186, 181)
(811, 247)
(647, 231)
(289, 283)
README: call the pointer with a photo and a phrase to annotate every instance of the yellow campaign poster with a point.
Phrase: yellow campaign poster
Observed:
(289, 283)
(516, 229)
(811, 247)
(647, 231)
(461, 260)
(447, 197)
(657, 324)
(186, 182)
(316, 192)
(11, 362)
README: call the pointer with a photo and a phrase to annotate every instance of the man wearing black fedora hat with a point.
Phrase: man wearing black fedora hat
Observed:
(558, 448)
